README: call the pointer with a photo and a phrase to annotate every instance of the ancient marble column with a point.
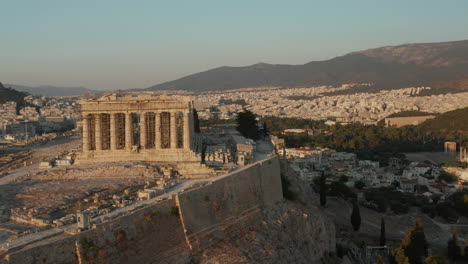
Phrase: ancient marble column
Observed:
(113, 130)
(85, 133)
(187, 134)
(157, 130)
(98, 133)
(128, 131)
(173, 130)
(143, 130)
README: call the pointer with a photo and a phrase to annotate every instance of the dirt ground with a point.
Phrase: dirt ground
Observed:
(42, 197)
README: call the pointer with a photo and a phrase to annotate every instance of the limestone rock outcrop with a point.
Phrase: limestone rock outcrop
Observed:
(290, 233)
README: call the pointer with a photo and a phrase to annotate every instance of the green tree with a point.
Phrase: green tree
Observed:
(265, 130)
(323, 189)
(434, 260)
(196, 121)
(356, 217)
(287, 193)
(338, 188)
(413, 247)
(453, 248)
(466, 250)
(447, 177)
(382, 233)
(247, 124)
(359, 184)
(418, 246)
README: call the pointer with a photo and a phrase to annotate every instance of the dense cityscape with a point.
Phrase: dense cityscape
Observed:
(212, 132)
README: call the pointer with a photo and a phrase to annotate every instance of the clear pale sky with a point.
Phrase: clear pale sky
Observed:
(112, 44)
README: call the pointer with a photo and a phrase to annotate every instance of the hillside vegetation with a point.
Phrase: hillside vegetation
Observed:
(378, 142)
(8, 94)
(452, 121)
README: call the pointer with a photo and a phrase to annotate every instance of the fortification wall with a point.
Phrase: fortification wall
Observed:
(169, 231)
(151, 234)
(212, 213)
(407, 120)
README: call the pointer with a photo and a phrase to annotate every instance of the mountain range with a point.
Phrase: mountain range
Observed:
(443, 66)
(51, 90)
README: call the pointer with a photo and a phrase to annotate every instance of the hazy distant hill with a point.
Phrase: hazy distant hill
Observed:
(440, 65)
(51, 90)
(7, 94)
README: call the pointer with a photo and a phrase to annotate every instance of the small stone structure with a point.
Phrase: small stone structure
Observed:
(463, 154)
(83, 220)
(394, 162)
(407, 120)
(450, 147)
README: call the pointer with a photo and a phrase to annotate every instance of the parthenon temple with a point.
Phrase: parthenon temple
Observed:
(138, 128)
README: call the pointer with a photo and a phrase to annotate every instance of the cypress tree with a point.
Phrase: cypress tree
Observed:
(453, 248)
(382, 232)
(466, 250)
(265, 130)
(413, 247)
(323, 190)
(247, 124)
(417, 247)
(356, 217)
(196, 121)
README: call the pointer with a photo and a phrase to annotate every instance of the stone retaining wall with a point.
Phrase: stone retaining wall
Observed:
(169, 231)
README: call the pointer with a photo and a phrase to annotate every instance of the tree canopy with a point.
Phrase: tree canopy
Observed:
(247, 124)
(356, 217)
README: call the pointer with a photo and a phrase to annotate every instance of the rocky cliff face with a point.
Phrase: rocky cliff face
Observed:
(291, 232)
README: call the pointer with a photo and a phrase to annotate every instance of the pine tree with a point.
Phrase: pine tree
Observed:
(400, 257)
(323, 190)
(382, 233)
(417, 248)
(247, 124)
(265, 130)
(413, 247)
(434, 260)
(356, 217)
(453, 248)
(196, 121)
(466, 250)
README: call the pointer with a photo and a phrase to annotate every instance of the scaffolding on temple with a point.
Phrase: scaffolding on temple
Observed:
(179, 129)
(120, 130)
(150, 120)
(165, 130)
(105, 131)
(92, 132)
